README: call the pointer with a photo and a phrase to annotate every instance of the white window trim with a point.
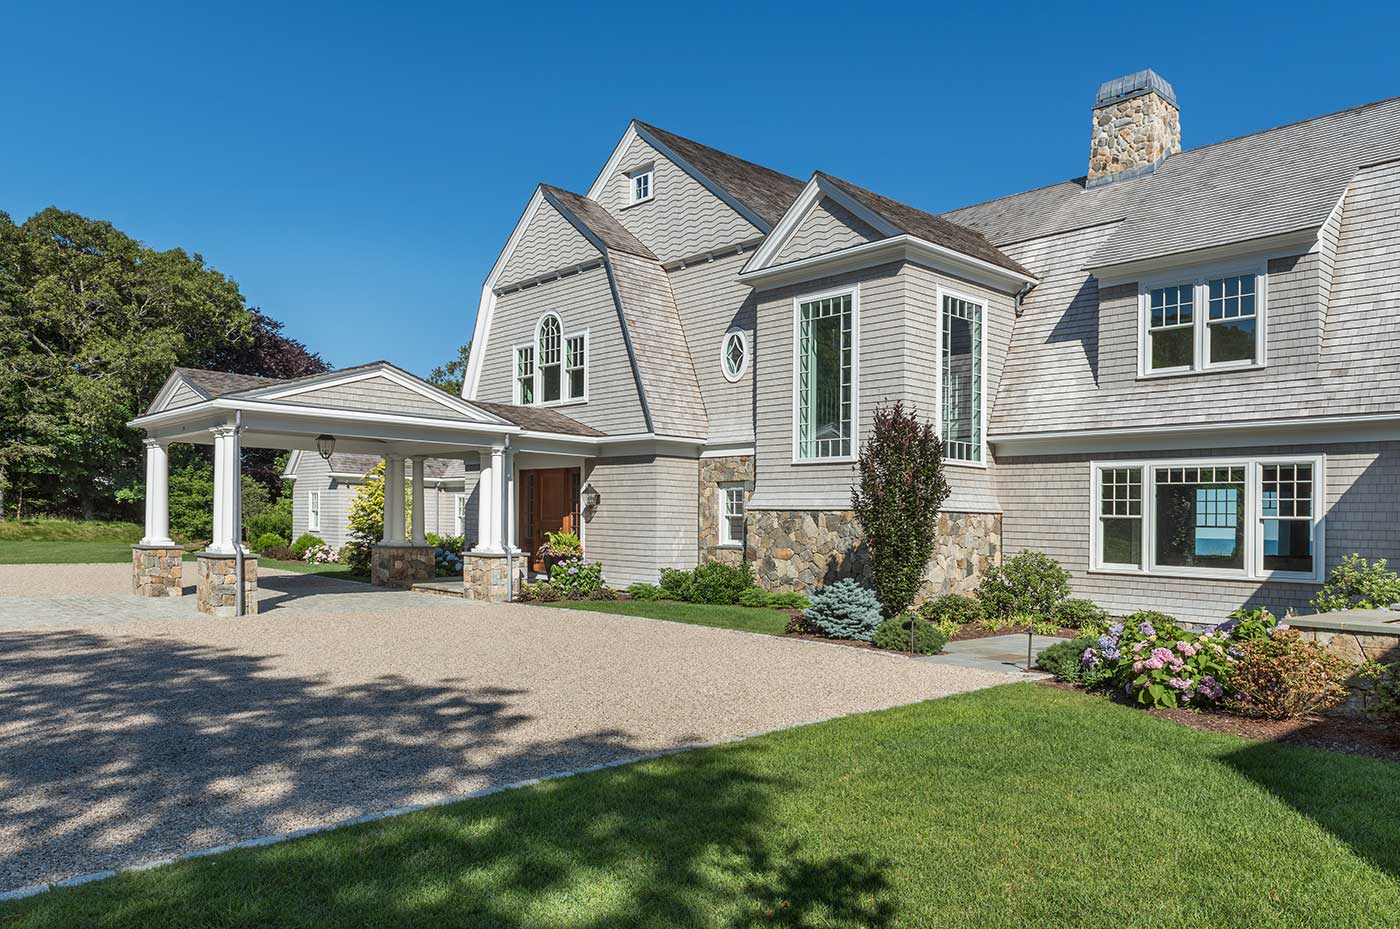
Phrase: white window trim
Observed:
(852, 291)
(1197, 278)
(564, 337)
(459, 515)
(1253, 532)
(723, 353)
(649, 172)
(725, 541)
(313, 512)
(939, 293)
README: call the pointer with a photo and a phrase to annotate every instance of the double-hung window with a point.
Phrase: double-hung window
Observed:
(1236, 518)
(313, 512)
(962, 379)
(731, 524)
(825, 375)
(553, 368)
(641, 185)
(1202, 322)
(459, 520)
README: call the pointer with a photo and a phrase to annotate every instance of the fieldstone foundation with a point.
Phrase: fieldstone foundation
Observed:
(484, 575)
(713, 472)
(805, 549)
(216, 590)
(401, 565)
(1356, 637)
(156, 571)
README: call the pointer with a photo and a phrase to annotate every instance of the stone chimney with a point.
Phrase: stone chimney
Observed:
(1136, 125)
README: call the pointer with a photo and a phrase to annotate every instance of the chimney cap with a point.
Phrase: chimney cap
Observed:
(1132, 85)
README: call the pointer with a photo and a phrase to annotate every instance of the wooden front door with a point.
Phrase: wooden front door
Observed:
(548, 503)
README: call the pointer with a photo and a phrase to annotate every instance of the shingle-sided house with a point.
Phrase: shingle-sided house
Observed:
(1175, 374)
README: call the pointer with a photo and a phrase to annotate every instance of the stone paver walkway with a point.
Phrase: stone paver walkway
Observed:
(1004, 653)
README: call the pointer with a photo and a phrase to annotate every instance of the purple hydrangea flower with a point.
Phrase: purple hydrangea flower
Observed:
(1147, 629)
(1116, 630)
(1179, 683)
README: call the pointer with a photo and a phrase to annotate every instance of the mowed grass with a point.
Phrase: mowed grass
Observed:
(745, 618)
(67, 530)
(339, 571)
(1019, 806)
(21, 552)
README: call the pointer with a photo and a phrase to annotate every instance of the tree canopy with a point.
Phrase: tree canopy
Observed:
(449, 376)
(91, 323)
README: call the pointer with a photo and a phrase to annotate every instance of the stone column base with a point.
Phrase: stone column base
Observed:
(484, 575)
(401, 565)
(156, 571)
(216, 589)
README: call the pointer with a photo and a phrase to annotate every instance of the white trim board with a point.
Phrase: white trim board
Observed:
(1316, 430)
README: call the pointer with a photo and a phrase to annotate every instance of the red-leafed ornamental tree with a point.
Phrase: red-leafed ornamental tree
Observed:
(898, 494)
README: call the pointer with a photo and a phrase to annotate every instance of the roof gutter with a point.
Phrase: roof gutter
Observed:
(904, 247)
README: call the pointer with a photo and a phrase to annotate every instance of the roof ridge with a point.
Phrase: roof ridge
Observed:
(753, 164)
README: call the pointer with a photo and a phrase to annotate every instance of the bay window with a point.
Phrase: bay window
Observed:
(1237, 518)
(961, 383)
(825, 375)
(1202, 322)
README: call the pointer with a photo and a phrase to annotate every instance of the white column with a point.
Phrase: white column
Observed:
(486, 480)
(226, 476)
(498, 502)
(157, 494)
(420, 504)
(393, 500)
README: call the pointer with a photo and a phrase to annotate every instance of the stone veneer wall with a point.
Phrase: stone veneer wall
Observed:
(216, 590)
(1357, 644)
(157, 571)
(713, 472)
(402, 565)
(484, 576)
(1133, 133)
(801, 550)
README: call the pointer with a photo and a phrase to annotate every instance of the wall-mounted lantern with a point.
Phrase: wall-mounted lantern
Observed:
(325, 444)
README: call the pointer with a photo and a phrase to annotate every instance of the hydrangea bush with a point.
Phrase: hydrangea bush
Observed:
(320, 554)
(576, 579)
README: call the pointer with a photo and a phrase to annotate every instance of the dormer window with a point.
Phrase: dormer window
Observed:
(1202, 322)
(642, 184)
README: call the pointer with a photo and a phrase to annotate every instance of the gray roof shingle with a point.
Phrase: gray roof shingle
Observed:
(218, 383)
(599, 221)
(929, 227)
(767, 192)
(537, 420)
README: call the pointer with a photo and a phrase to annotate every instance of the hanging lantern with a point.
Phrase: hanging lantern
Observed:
(325, 444)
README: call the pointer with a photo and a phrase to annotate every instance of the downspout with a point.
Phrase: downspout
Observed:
(239, 606)
(1021, 295)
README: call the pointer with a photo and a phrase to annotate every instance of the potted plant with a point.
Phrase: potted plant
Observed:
(557, 547)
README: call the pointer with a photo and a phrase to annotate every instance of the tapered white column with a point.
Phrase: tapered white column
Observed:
(157, 494)
(393, 500)
(497, 493)
(487, 492)
(226, 477)
(420, 504)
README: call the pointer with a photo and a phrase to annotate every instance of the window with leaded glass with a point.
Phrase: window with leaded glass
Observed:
(1199, 515)
(1286, 517)
(962, 379)
(550, 359)
(575, 366)
(1120, 516)
(825, 378)
(525, 375)
(734, 355)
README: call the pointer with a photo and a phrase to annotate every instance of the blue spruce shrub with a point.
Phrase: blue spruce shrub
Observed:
(845, 610)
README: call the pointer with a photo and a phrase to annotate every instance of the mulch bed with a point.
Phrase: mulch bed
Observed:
(1330, 733)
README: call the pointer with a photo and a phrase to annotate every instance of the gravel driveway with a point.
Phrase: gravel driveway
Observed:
(148, 732)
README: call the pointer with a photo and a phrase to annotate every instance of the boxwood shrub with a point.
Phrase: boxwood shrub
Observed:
(894, 633)
(1029, 583)
(956, 608)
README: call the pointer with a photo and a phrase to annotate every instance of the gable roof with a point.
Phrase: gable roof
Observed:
(536, 419)
(217, 383)
(597, 220)
(766, 192)
(1266, 183)
(931, 228)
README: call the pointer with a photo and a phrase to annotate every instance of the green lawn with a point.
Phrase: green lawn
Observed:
(300, 567)
(22, 552)
(1018, 807)
(67, 530)
(745, 618)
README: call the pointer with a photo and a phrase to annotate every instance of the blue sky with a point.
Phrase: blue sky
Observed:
(357, 167)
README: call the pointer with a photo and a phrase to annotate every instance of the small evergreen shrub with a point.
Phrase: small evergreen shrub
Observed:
(356, 556)
(717, 582)
(801, 625)
(304, 541)
(1382, 696)
(1283, 675)
(956, 608)
(788, 601)
(537, 592)
(279, 553)
(894, 633)
(1031, 582)
(675, 584)
(1062, 660)
(1075, 613)
(605, 593)
(948, 628)
(845, 610)
(753, 596)
(1358, 584)
(642, 591)
(268, 540)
